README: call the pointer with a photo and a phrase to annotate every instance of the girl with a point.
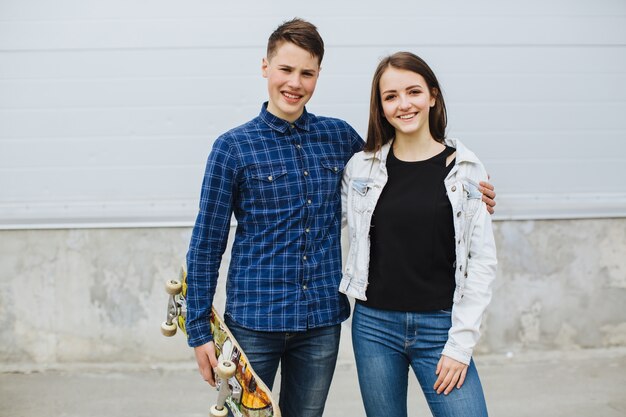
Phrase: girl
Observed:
(422, 256)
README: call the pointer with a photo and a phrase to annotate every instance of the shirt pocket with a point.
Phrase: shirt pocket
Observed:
(331, 171)
(268, 184)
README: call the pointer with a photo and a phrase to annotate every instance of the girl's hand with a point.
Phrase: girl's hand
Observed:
(451, 373)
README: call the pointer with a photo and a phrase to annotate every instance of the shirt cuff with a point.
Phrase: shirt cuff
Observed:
(199, 337)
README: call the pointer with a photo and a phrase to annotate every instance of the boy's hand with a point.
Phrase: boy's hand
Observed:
(489, 195)
(207, 361)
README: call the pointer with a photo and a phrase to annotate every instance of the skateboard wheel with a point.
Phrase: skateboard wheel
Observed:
(173, 287)
(168, 329)
(214, 412)
(226, 369)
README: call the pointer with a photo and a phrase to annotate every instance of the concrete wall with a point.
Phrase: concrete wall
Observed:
(96, 295)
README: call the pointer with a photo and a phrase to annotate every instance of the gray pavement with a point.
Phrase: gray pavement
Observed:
(590, 383)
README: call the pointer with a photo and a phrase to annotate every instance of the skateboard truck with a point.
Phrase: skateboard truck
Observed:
(225, 370)
(176, 305)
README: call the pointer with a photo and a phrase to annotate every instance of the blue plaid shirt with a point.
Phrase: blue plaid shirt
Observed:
(282, 181)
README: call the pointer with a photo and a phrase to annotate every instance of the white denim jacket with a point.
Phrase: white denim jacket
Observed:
(365, 177)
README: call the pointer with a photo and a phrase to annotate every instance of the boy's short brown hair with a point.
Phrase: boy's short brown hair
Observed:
(299, 32)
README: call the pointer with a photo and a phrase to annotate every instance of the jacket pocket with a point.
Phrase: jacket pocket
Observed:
(363, 199)
(472, 198)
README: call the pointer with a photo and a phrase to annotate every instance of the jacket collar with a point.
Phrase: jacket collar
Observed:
(462, 153)
(380, 154)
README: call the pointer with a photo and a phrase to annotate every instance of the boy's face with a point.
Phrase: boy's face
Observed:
(291, 78)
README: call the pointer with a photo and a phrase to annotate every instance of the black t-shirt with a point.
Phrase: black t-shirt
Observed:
(412, 249)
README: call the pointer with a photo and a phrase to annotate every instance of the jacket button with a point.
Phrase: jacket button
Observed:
(453, 188)
(458, 214)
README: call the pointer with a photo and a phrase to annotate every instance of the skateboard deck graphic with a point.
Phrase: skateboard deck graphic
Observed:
(239, 386)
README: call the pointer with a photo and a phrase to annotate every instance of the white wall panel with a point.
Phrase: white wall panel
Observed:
(204, 33)
(108, 109)
(114, 151)
(120, 120)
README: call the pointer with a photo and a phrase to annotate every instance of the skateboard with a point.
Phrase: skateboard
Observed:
(238, 385)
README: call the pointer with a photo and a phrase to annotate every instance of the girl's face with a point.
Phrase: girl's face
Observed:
(406, 101)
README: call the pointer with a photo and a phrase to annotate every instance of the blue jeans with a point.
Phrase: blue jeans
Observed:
(387, 342)
(307, 363)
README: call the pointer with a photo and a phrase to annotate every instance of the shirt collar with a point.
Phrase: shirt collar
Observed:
(281, 125)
